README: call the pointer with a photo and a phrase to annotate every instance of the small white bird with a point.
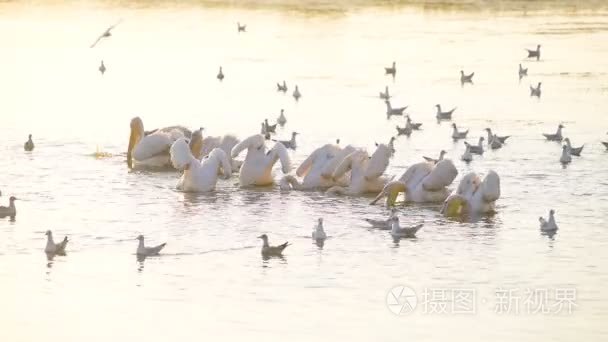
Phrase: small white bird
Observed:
(106, 34)
(548, 225)
(318, 233)
(142, 250)
(534, 53)
(241, 28)
(535, 91)
(467, 156)
(282, 120)
(289, 143)
(220, 75)
(466, 78)
(435, 161)
(282, 87)
(444, 115)
(52, 247)
(296, 93)
(522, 71)
(406, 232)
(456, 134)
(575, 151)
(393, 111)
(385, 95)
(29, 144)
(102, 68)
(11, 210)
(384, 224)
(566, 157)
(495, 143)
(392, 70)
(268, 250)
(476, 149)
(557, 136)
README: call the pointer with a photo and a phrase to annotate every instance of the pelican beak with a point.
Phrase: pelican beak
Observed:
(133, 140)
(196, 147)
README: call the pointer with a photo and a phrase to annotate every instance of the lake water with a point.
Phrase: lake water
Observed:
(211, 280)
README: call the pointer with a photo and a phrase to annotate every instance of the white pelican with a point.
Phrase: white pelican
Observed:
(199, 176)
(142, 250)
(268, 250)
(10, 210)
(557, 136)
(318, 233)
(405, 232)
(318, 169)
(421, 182)
(473, 197)
(575, 151)
(548, 225)
(392, 70)
(534, 53)
(29, 144)
(152, 150)
(466, 78)
(366, 172)
(52, 247)
(257, 167)
(201, 148)
(565, 158)
(535, 91)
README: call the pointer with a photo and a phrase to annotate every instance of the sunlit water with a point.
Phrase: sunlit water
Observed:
(211, 280)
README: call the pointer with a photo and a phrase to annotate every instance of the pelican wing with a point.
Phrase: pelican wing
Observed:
(228, 142)
(416, 173)
(442, 175)
(344, 165)
(490, 187)
(378, 162)
(252, 141)
(152, 145)
(304, 168)
(209, 144)
(279, 151)
(180, 154)
(223, 158)
(329, 168)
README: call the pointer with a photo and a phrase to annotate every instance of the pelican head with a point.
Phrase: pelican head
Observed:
(137, 132)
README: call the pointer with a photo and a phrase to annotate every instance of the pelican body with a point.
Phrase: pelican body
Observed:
(257, 167)
(473, 196)
(199, 176)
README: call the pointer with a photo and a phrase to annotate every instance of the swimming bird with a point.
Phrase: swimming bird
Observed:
(548, 225)
(282, 87)
(10, 210)
(29, 144)
(384, 224)
(557, 136)
(241, 28)
(393, 111)
(473, 196)
(444, 115)
(522, 71)
(476, 149)
(391, 145)
(199, 176)
(148, 251)
(467, 156)
(385, 95)
(318, 233)
(257, 167)
(575, 151)
(605, 144)
(282, 120)
(268, 250)
(466, 78)
(106, 34)
(269, 128)
(405, 232)
(220, 74)
(52, 247)
(535, 91)
(391, 70)
(435, 161)
(456, 135)
(534, 53)
(495, 143)
(566, 158)
(407, 130)
(415, 125)
(102, 68)
(296, 93)
(289, 143)
(502, 139)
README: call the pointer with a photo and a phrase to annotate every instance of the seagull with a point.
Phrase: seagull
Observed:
(296, 93)
(444, 115)
(220, 75)
(406, 232)
(605, 144)
(407, 130)
(270, 128)
(476, 149)
(10, 210)
(241, 28)
(283, 87)
(435, 161)
(522, 71)
(502, 139)
(467, 156)
(534, 53)
(391, 70)
(52, 247)
(148, 251)
(548, 225)
(102, 68)
(106, 34)
(29, 144)
(415, 125)
(535, 91)
(263, 130)
(466, 78)
(318, 233)
(391, 145)
(566, 158)
(289, 143)
(382, 224)
(557, 136)
(385, 95)
(495, 143)
(393, 111)
(575, 151)
(268, 250)
(458, 135)
(282, 120)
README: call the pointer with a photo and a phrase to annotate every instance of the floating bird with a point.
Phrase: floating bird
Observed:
(102, 68)
(289, 143)
(534, 53)
(495, 142)
(318, 233)
(282, 87)
(151, 149)
(385, 95)
(502, 139)
(522, 71)
(405, 232)
(268, 250)
(10, 210)
(458, 135)
(435, 161)
(391, 70)
(548, 225)
(444, 115)
(148, 251)
(52, 247)
(106, 34)
(257, 167)
(270, 128)
(263, 130)
(566, 158)
(557, 136)
(407, 130)
(575, 151)
(296, 93)
(282, 120)
(466, 78)
(29, 144)
(393, 111)
(220, 75)
(535, 91)
(415, 125)
(391, 145)
(467, 156)
(476, 149)
(199, 175)
(384, 224)
(241, 28)
(605, 144)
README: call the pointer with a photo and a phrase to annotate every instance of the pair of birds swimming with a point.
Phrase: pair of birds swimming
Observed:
(392, 224)
(59, 248)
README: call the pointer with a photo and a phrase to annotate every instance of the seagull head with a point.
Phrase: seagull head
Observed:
(561, 126)
(461, 72)
(140, 237)
(551, 212)
(263, 237)
(12, 199)
(30, 137)
(48, 233)
(442, 153)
